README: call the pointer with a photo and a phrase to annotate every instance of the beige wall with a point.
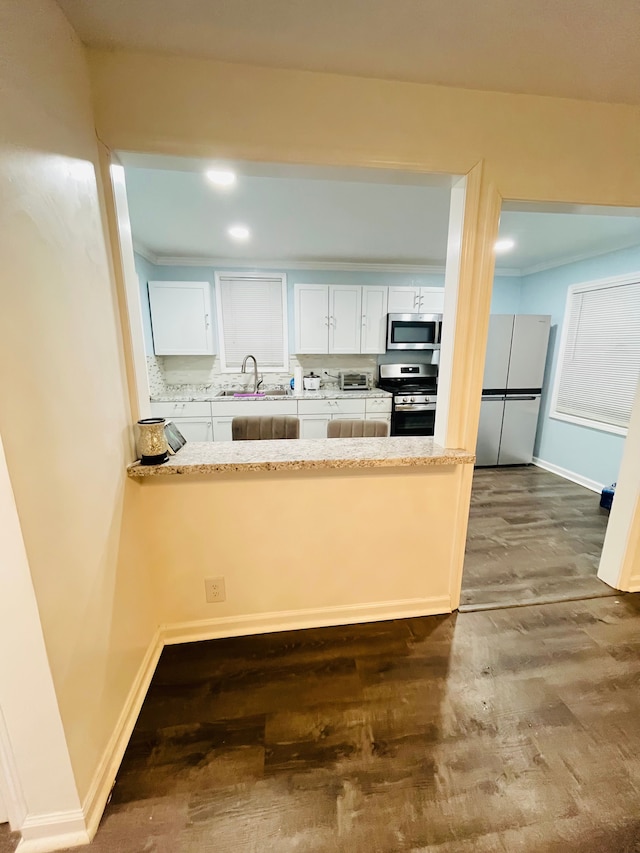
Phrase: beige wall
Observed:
(64, 415)
(509, 146)
(304, 542)
(534, 147)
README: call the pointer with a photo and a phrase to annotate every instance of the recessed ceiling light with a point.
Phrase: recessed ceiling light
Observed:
(504, 245)
(239, 232)
(222, 177)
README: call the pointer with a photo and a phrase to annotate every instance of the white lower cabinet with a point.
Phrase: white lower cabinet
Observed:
(378, 405)
(315, 415)
(380, 417)
(314, 426)
(222, 429)
(204, 421)
(195, 429)
(352, 408)
(171, 411)
(192, 418)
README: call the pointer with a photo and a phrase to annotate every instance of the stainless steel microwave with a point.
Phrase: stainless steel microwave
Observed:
(413, 331)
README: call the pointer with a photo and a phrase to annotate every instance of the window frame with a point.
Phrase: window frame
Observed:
(263, 368)
(583, 287)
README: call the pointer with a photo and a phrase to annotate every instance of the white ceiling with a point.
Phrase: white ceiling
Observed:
(291, 217)
(573, 48)
(341, 216)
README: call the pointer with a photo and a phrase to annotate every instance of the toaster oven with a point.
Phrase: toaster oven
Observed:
(354, 381)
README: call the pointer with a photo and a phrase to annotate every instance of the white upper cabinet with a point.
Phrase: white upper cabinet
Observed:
(345, 318)
(404, 300)
(312, 318)
(374, 319)
(416, 300)
(328, 318)
(181, 317)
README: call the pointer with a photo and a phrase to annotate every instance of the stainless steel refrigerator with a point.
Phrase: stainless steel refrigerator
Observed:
(511, 388)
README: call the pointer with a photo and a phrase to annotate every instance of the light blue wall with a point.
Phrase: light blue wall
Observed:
(506, 291)
(505, 298)
(589, 452)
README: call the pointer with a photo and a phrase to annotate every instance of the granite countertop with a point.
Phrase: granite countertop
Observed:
(210, 457)
(323, 394)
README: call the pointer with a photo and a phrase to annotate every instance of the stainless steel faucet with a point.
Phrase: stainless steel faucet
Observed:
(255, 371)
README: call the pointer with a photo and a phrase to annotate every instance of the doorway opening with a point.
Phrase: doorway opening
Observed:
(561, 372)
(299, 266)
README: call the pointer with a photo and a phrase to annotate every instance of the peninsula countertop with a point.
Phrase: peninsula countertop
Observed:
(209, 457)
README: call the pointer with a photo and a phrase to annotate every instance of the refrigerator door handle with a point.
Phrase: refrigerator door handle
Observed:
(521, 397)
(496, 397)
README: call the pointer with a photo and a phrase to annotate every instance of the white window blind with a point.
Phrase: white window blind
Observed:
(252, 319)
(599, 359)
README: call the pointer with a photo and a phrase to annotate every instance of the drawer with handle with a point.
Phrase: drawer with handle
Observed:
(340, 406)
(378, 404)
(198, 409)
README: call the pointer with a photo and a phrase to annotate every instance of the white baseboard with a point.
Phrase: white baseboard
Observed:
(10, 787)
(45, 833)
(569, 475)
(104, 777)
(291, 620)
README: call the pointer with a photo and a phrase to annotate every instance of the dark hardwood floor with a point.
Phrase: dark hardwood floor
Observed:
(503, 731)
(533, 537)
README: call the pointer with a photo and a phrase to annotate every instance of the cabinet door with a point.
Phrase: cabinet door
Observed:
(312, 318)
(528, 350)
(345, 318)
(222, 429)
(404, 300)
(374, 319)
(380, 417)
(314, 426)
(181, 317)
(195, 429)
(431, 300)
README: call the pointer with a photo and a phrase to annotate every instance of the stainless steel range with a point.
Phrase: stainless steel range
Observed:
(414, 388)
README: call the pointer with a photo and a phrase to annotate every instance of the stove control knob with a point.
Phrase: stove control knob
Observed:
(413, 399)
(404, 400)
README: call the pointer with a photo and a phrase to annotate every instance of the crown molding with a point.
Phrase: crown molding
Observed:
(335, 266)
(353, 266)
(341, 266)
(145, 253)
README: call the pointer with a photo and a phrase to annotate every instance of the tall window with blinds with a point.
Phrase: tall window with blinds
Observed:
(252, 319)
(599, 359)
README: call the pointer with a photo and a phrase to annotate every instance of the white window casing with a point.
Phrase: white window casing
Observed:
(252, 319)
(599, 357)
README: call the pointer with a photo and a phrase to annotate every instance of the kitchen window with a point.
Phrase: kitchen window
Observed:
(252, 318)
(599, 357)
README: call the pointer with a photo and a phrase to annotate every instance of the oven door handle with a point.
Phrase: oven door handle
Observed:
(413, 407)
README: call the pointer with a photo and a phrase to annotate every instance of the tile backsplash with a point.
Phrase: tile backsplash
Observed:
(182, 374)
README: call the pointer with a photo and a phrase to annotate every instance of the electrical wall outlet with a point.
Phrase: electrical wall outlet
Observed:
(214, 589)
